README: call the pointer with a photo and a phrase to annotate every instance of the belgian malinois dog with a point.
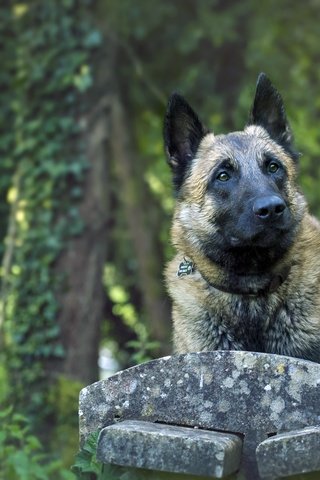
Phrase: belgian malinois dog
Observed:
(247, 271)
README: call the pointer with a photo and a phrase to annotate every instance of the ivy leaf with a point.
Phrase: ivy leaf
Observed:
(93, 39)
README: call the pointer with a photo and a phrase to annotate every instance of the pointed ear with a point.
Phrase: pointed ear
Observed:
(268, 112)
(183, 132)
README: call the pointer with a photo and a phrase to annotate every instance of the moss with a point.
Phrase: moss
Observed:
(63, 401)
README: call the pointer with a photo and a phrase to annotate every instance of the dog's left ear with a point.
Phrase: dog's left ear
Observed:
(268, 112)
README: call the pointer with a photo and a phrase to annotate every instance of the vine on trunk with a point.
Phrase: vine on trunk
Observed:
(50, 71)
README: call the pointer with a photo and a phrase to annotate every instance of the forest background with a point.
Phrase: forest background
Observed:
(85, 192)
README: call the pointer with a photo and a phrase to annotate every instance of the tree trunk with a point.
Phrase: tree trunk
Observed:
(144, 238)
(82, 262)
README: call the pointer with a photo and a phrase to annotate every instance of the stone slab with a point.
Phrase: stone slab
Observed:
(169, 448)
(253, 394)
(289, 453)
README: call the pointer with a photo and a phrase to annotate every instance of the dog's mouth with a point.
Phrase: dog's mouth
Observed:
(236, 241)
(262, 238)
(253, 252)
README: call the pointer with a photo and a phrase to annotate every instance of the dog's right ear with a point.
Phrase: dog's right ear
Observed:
(183, 132)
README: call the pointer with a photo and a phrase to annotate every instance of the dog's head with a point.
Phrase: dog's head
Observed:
(237, 199)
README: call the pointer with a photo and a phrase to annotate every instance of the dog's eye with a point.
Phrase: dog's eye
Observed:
(273, 167)
(223, 177)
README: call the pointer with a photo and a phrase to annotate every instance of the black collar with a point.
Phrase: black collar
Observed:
(254, 285)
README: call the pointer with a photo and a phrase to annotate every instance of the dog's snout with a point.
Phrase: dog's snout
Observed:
(269, 207)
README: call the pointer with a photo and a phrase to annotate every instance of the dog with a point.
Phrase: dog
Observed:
(246, 275)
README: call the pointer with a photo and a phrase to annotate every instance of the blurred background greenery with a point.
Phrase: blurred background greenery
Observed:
(85, 192)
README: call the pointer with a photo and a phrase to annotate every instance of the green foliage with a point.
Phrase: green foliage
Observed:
(49, 74)
(6, 116)
(64, 394)
(62, 400)
(21, 453)
(143, 348)
(86, 466)
(120, 297)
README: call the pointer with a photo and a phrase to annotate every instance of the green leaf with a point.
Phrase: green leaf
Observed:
(7, 412)
(93, 39)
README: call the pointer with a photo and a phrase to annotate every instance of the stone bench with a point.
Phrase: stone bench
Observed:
(213, 414)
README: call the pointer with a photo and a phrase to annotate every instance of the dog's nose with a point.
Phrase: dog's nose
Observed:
(269, 207)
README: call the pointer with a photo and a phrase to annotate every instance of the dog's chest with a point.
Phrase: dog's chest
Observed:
(263, 324)
(246, 319)
(247, 322)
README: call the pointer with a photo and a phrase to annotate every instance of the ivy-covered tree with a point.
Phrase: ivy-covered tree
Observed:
(52, 292)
